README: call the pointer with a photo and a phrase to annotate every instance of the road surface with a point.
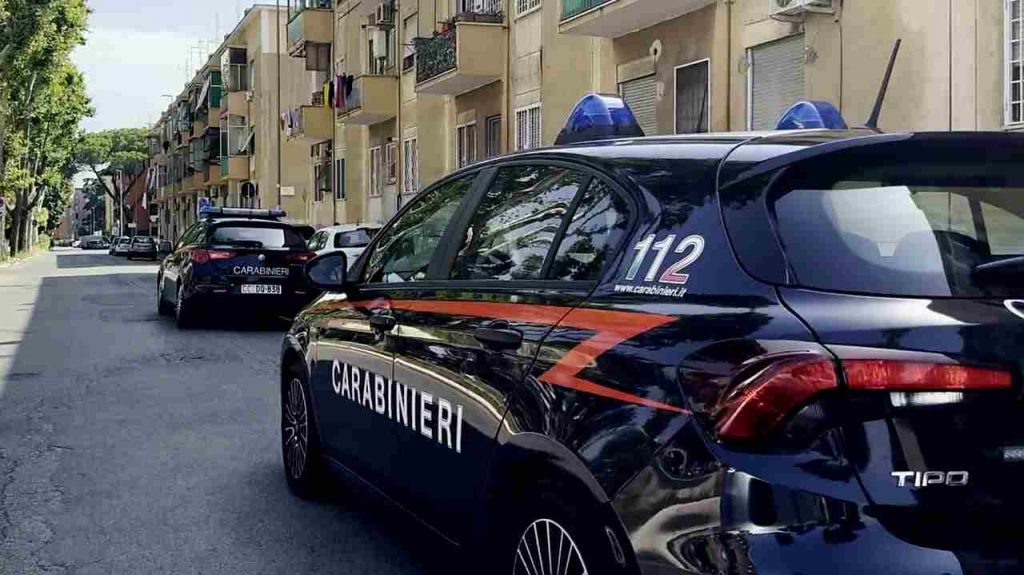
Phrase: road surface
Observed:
(127, 446)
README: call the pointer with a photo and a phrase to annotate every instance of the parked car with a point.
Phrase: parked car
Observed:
(724, 353)
(349, 238)
(94, 243)
(119, 246)
(142, 247)
(234, 261)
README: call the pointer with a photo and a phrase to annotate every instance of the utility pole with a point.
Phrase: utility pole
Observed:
(3, 228)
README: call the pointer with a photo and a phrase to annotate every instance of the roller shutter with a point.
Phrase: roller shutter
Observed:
(642, 96)
(777, 72)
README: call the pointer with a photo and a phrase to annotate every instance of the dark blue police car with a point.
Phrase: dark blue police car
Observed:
(234, 260)
(795, 352)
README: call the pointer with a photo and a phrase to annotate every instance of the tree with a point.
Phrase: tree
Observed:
(110, 151)
(42, 101)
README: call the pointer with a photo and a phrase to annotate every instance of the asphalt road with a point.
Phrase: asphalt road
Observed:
(127, 446)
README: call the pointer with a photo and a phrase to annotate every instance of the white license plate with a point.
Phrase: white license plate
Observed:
(260, 289)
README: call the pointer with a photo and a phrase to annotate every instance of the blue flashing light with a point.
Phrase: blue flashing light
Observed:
(599, 117)
(809, 115)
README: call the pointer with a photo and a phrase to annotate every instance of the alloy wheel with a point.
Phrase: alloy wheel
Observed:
(546, 547)
(295, 430)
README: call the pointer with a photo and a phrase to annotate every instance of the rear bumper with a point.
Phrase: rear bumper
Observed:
(220, 300)
(730, 522)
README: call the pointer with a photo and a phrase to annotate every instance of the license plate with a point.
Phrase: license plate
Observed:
(260, 289)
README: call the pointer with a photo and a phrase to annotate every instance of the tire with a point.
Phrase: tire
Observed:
(560, 530)
(184, 314)
(301, 456)
(162, 307)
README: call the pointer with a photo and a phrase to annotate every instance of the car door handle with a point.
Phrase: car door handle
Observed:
(382, 322)
(501, 338)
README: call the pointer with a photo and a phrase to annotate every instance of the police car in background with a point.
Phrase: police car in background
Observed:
(231, 260)
(790, 352)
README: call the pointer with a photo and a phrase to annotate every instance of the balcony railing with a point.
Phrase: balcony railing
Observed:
(296, 7)
(435, 56)
(572, 8)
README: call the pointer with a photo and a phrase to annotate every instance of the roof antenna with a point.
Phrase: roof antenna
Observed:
(877, 111)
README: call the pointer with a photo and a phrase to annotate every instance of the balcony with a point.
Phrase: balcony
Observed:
(235, 103)
(614, 18)
(466, 56)
(310, 124)
(234, 167)
(311, 22)
(373, 99)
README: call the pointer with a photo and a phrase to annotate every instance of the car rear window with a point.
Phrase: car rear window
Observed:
(256, 237)
(354, 239)
(145, 241)
(906, 219)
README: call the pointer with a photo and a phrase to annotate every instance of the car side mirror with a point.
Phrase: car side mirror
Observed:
(328, 272)
(164, 247)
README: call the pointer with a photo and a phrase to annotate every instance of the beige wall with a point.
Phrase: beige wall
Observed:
(477, 106)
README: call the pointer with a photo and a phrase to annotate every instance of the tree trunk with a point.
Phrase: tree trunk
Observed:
(16, 226)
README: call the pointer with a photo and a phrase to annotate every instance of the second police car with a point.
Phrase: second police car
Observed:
(231, 260)
(796, 352)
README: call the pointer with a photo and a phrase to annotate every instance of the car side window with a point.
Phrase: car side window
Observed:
(516, 223)
(186, 236)
(597, 226)
(405, 249)
(316, 242)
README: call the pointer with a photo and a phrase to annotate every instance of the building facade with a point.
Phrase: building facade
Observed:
(380, 98)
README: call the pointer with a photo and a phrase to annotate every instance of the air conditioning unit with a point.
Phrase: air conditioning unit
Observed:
(248, 96)
(800, 7)
(385, 15)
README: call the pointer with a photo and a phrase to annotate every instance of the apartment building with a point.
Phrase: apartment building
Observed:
(225, 139)
(700, 65)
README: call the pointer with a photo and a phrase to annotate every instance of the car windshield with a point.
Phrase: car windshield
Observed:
(354, 239)
(905, 222)
(143, 241)
(257, 236)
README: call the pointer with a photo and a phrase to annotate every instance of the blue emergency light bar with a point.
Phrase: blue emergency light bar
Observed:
(241, 212)
(599, 117)
(810, 115)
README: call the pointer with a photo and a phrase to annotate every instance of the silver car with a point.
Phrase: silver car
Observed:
(349, 238)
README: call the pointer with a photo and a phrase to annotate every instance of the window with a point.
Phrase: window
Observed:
(465, 144)
(1014, 83)
(354, 239)
(391, 161)
(251, 236)
(316, 243)
(528, 128)
(515, 225)
(407, 246)
(412, 31)
(524, 6)
(492, 136)
(235, 130)
(321, 180)
(411, 166)
(904, 219)
(597, 225)
(380, 50)
(693, 98)
(776, 80)
(339, 179)
(235, 73)
(376, 171)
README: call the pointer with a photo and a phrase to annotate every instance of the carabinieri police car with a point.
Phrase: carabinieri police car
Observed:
(789, 352)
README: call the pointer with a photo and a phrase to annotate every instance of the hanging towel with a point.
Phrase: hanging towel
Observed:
(326, 89)
(339, 93)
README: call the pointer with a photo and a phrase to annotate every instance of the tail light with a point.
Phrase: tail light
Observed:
(763, 399)
(300, 258)
(201, 256)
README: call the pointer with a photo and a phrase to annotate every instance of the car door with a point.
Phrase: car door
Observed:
(173, 263)
(353, 383)
(467, 339)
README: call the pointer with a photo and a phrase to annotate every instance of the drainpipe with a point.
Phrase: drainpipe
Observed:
(506, 84)
(400, 148)
(277, 120)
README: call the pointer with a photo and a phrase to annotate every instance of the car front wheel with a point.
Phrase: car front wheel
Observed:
(300, 441)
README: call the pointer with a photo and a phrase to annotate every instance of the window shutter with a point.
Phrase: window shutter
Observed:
(642, 96)
(778, 80)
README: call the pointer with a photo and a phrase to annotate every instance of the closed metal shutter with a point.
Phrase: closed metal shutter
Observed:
(777, 72)
(642, 96)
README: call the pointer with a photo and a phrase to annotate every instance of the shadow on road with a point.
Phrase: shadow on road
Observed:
(94, 258)
(128, 446)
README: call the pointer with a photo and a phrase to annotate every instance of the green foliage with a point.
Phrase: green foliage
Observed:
(42, 101)
(107, 152)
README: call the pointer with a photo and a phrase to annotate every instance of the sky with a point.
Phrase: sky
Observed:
(137, 52)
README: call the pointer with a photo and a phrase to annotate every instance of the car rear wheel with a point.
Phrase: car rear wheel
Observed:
(300, 441)
(559, 533)
(162, 307)
(183, 312)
